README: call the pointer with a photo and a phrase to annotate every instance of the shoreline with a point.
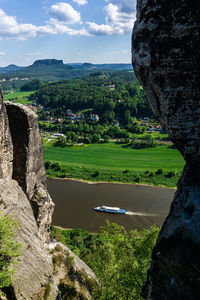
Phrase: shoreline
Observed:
(112, 182)
(64, 228)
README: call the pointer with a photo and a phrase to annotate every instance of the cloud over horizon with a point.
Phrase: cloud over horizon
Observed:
(64, 19)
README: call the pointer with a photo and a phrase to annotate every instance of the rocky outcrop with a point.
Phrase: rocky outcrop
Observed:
(71, 271)
(28, 165)
(166, 57)
(24, 195)
(34, 268)
(23, 181)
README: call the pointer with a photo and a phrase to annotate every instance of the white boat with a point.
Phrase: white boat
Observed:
(110, 210)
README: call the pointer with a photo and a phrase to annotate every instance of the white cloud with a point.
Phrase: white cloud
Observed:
(11, 29)
(53, 26)
(96, 29)
(126, 6)
(117, 21)
(2, 53)
(64, 12)
(80, 2)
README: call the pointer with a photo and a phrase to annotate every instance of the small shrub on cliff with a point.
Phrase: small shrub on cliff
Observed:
(9, 249)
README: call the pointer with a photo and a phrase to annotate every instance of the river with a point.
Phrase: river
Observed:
(147, 205)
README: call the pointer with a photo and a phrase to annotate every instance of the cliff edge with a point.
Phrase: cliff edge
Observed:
(165, 48)
(23, 194)
(44, 265)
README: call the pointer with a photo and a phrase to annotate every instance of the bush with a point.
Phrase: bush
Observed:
(96, 174)
(56, 166)
(68, 291)
(47, 165)
(170, 174)
(9, 250)
(159, 172)
(126, 171)
(137, 179)
(151, 174)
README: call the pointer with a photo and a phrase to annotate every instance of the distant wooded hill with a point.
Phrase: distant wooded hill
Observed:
(52, 69)
(9, 69)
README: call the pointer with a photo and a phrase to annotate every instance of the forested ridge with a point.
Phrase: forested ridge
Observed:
(114, 96)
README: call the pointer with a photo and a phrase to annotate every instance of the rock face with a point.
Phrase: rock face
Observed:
(34, 269)
(23, 193)
(6, 148)
(23, 182)
(165, 47)
(28, 165)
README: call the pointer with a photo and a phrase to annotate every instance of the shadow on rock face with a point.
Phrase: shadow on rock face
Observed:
(165, 47)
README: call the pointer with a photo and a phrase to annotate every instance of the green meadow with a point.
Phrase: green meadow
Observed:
(160, 165)
(18, 97)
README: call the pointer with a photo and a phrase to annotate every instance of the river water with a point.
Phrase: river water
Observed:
(75, 201)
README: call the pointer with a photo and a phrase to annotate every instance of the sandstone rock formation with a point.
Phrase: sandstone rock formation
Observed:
(34, 270)
(23, 193)
(28, 165)
(165, 47)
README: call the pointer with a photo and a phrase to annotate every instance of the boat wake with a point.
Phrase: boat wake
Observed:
(131, 213)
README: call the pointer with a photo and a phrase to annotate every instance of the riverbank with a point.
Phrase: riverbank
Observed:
(113, 182)
(158, 166)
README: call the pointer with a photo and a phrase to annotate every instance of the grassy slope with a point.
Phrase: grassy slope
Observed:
(18, 97)
(111, 160)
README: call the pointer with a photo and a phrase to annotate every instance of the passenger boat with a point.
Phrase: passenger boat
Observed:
(110, 210)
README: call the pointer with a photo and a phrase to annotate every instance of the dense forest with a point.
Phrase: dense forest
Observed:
(113, 96)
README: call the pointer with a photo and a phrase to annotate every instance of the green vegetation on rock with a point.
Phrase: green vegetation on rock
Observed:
(9, 250)
(120, 259)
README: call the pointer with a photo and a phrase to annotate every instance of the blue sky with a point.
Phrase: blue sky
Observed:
(97, 31)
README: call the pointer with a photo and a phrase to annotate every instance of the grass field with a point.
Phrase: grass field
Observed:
(114, 162)
(18, 97)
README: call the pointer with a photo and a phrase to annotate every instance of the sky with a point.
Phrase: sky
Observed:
(96, 31)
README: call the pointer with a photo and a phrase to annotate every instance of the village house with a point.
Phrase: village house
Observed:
(94, 117)
(71, 116)
(57, 135)
(33, 108)
(111, 86)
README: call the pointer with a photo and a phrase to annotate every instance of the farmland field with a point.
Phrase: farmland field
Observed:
(117, 160)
